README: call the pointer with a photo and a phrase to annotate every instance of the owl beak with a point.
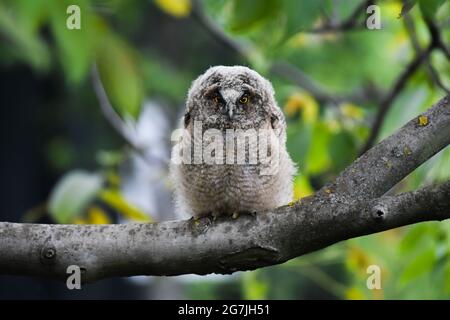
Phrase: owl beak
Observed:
(230, 113)
(228, 110)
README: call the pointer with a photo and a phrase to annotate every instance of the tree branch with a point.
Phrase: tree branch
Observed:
(108, 111)
(351, 23)
(383, 166)
(124, 129)
(282, 69)
(432, 73)
(298, 77)
(433, 200)
(436, 37)
(351, 206)
(216, 32)
(422, 56)
(390, 97)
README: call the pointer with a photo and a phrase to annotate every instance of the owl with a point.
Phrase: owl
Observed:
(231, 155)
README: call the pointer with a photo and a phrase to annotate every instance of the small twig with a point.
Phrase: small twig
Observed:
(422, 56)
(124, 130)
(295, 75)
(436, 37)
(216, 32)
(411, 29)
(108, 111)
(283, 69)
(432, 73)
(323, 279)
(388, 100)
(351, 23)
(445, 24)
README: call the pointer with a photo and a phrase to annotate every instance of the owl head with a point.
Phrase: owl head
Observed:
(231, 97)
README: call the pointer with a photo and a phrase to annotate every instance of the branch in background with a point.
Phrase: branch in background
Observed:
(282, 69)
(296, 76)
(422, 56)
(432, 73)
(436, 37)
(108, 111)
(198, 13)
(351, 23)
(122, 128)
(445, 24)
(352, 206)
(395, 90)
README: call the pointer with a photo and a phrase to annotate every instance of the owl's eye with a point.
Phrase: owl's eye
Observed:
(244, 99)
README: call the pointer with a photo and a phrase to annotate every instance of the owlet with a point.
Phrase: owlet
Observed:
(230, 156)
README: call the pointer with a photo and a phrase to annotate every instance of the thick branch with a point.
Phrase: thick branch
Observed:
(433, 201)
(383, 166)
(352, 206)
(180, 247)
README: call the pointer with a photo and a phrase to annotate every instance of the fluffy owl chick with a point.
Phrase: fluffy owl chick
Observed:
(217, 167)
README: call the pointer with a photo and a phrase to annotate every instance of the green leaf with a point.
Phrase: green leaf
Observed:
(71, 195)
(109, 158)
(31, 14)
(413, 237)
(421, 264)
(254, 288)
(447, 277)
(342, 149)
(440, 171)
(249, 13)
(171, 82)
(298, 142)
(318, 159)
(301, 14)
(118, 68)
(75, 47)
(24, 41)
(430, 7)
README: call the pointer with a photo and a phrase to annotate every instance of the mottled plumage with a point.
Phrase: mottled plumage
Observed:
(225, 98)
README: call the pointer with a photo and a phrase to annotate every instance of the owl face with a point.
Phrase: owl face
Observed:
(231, 97)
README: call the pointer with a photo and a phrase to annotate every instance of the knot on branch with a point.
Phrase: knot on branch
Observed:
(48, 254)
(379, 212)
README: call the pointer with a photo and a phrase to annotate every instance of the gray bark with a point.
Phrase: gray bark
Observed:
(351, 206)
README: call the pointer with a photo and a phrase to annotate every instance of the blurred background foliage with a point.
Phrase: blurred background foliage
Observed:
(329, 72)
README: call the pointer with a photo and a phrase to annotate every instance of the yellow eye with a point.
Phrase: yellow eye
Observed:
(243, 100)
(216, 99)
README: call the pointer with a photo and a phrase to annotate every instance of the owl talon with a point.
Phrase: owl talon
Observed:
(215, 215)
(202, 220)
